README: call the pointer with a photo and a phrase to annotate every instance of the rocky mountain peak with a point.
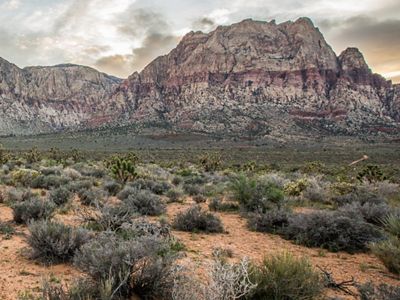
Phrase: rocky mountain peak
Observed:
(352, 58)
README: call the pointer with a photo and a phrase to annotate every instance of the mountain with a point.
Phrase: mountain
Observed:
(46, 99)
(250, 79)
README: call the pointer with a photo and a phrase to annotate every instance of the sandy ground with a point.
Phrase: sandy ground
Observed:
(18, 273)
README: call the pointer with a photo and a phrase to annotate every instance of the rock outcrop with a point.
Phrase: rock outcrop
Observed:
(46, 99)
(258, 78)
(249, 79)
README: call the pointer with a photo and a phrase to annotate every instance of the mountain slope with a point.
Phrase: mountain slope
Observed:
(257, 78)
(250, 79)
(43, 99)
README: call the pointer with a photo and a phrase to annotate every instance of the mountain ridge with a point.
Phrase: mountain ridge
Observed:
(252, 78)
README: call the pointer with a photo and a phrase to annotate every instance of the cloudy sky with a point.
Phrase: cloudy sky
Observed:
(122, 36)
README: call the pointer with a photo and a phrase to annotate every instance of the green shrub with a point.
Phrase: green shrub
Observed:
(256, 196)
(283, 276)
(32, 209)
(54, 242)
(199, 199)
(19, 195)
(371, 212)
(195, 219)
(192, 189)
(331, 230)
(389, 253)
(60, 196)
(111, 218)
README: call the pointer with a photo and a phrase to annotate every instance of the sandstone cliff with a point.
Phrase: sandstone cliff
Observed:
(249, 79)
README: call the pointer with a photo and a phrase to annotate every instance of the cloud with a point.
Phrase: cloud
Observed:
(377, 39)
(115, 64)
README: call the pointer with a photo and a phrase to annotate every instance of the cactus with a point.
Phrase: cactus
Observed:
(211, 162)
(4, 155)
(371, 173)
(122, 169)
(32, 155)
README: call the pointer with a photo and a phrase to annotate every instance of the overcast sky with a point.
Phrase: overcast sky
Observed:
(122, 36)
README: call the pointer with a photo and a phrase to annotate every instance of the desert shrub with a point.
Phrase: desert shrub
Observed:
(272, 221)
(112, 187)
(316, 191)
(296, 188)
(283, 276)
(389, 253)
(331, 230)
(216, 204)
(49, 181)
(56, 170)
(19, 195)
(195, 219)
(174, 195)
(391, 223)
(199, 199)
(6, 229)
(78, 185)
(342, 188)
(91, 197)
(361, 196)
(145, 203)
(24, 177)
(142, 227)
(55, 242)
(81, 289)
(371, 212)
(126, 192)
(92, 171)
(123, 263)
(158, 188)
(60, 196)
(195, 179)
(110, 218)
(192, 189)
(71, 173)
(256, 196)
(369, 291)
(177, 180)
(32, 209)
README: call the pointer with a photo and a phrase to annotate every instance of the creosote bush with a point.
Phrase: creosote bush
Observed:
(195, 219)
(60, 196)
(32, 209)
(145, 203)
(283, 276)
(128, 266)
(272, 221)
(256, 196)
(55, 242)
(216, 204)
(331, 230)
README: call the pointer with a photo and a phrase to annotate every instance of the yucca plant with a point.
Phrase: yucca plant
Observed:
(391, 223)
(122, 169)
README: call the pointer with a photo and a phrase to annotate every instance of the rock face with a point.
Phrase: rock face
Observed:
(44, 99)
(249, 79)
(257, 78)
